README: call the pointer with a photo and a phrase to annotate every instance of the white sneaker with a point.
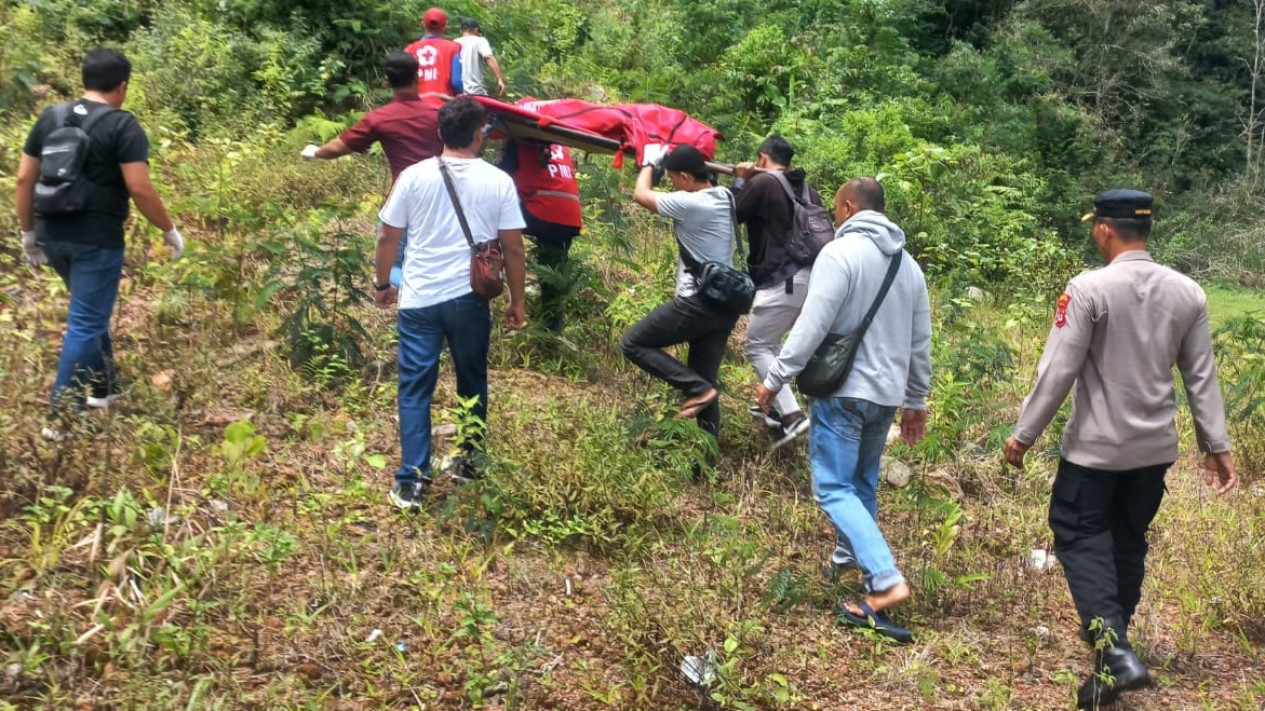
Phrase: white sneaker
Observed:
(103, 402)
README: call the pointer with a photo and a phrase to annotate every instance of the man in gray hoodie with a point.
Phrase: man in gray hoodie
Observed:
(892, 369)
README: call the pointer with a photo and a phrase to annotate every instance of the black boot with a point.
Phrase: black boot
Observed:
(1118, 670)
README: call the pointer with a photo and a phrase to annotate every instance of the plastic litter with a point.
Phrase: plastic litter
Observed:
(1041, 560)
(157, 517)
(374, 635)
(700, 671)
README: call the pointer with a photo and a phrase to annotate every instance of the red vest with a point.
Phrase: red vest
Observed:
(546, 183)
(434, 64)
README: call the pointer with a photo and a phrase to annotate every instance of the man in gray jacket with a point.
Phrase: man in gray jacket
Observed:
(892, 369)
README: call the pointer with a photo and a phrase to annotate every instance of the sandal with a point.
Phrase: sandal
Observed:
(695, 405)
(877, 621)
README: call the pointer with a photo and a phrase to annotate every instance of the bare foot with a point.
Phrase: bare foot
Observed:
(879, 601)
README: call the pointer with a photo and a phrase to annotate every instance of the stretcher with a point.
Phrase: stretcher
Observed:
(619, 130)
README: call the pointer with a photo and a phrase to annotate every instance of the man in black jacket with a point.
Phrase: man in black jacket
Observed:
(767, 210)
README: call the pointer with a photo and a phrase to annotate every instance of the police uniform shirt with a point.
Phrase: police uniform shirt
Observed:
(1117, 332)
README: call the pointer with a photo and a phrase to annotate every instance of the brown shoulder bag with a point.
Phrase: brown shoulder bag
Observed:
(487, 264)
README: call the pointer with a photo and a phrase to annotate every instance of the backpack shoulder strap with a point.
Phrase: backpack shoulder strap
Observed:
(61, 113)
(785, 183)
(94, 116)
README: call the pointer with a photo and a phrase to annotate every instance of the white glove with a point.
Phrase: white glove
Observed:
(34, 255)
(310, 151)
(173, 239)
(652, 154)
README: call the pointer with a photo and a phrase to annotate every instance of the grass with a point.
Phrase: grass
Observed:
(1226, 302)
(222, 540)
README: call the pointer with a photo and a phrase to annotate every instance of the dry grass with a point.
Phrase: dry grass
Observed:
(580, 572)
(280, 566)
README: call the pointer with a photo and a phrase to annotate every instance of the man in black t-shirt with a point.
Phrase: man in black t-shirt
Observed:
(85, 247)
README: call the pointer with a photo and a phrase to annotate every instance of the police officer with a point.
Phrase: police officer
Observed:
(1117, 332)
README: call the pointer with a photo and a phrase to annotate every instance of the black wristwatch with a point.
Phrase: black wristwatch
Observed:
(382, 287)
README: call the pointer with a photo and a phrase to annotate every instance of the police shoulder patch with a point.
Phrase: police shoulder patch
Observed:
(1060, 315)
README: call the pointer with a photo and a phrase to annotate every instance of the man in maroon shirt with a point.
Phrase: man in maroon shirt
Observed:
(407, 128)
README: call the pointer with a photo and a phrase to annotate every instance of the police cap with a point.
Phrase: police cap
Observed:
(1126, 204)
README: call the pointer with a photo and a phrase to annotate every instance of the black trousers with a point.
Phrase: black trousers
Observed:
(553, 247)
(1100, 520)
(690, 320)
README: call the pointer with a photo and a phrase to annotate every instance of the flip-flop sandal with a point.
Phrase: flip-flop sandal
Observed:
(691, 409)
(877, 621)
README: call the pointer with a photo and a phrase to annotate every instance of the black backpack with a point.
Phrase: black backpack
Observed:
(811, 226)
(62, 188)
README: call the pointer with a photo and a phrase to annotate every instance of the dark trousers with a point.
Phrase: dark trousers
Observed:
(553, 247)
(689, 320)
(1100, 520)
(554, 283)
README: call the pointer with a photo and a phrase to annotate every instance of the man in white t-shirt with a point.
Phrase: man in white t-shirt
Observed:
(702, 217)
(475, 50)
(436, 303)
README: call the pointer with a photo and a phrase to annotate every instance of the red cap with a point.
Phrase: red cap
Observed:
(435, 17)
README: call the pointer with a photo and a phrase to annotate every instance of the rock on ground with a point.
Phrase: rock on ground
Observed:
(895, 472)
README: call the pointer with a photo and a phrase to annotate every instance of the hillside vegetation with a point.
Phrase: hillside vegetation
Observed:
(222, 539)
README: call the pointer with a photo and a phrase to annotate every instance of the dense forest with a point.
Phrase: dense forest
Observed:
(221, 540)
(993, 120)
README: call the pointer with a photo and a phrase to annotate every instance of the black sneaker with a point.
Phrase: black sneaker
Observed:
(789, 431)
(408, 495)
(464, 471)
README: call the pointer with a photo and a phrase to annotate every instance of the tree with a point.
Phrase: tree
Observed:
(1252, 121)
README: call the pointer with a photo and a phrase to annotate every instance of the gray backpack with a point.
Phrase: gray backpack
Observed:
(811, 226)
(62, 188)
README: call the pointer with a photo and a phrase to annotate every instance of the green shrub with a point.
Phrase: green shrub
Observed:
(208, 77)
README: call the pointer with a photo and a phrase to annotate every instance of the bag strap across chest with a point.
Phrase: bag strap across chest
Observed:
(892, 268)
(456, 202)
(693, 264)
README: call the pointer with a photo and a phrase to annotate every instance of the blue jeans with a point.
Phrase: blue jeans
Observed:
(465, 323)
(845, 447)
(91, 274)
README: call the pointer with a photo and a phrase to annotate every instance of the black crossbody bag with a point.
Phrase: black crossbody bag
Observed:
(830, 366)
(726, 288)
